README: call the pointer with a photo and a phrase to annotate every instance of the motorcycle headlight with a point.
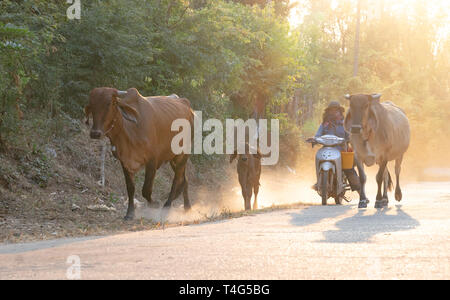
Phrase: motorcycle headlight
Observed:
(330, 140)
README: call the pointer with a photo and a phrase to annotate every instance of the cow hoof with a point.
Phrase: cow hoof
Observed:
(363, 203)
(381, 203)
(187, 208)
(398, 196)
(129, 216)
(153, 204)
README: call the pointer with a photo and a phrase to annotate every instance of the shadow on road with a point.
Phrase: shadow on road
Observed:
(315, 214)
(361, 228)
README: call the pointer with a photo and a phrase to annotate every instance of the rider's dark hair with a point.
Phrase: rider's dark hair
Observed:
(326, 117)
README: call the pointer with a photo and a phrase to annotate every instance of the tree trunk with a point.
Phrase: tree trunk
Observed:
(358, 24)
(259, 107)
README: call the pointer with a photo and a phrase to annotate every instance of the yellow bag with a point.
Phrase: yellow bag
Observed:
(347, 160)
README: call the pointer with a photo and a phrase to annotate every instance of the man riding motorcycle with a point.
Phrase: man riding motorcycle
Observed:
(333, 123)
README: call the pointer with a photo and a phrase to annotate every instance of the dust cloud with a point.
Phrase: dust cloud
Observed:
(289, 184)
(282, 186)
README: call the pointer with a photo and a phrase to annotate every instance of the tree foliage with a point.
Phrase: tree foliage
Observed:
(403, 55)
(205, 50)
(230, 58)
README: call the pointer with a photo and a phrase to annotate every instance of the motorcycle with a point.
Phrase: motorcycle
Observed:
(331, 180)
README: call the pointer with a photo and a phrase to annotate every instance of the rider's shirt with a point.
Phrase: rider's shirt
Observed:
(335, 128)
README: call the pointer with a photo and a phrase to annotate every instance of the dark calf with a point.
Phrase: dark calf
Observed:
(249, 173)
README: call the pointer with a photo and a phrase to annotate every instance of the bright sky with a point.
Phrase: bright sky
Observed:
(398, 6)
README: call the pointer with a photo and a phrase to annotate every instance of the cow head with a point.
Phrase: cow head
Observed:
(247, 164)
(361, 121)
(244, 158)
(108, 111)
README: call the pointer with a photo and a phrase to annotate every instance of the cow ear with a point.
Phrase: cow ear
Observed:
(233, 156)
(372, 121)
(348, 121)
(87, 112)
(128, 112)
(258, 154)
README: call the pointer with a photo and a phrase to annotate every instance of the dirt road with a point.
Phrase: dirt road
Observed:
(407, 240)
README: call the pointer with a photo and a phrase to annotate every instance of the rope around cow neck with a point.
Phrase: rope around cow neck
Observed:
(112, 126)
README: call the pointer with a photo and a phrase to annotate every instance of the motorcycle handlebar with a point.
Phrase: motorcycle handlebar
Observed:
(312, 141)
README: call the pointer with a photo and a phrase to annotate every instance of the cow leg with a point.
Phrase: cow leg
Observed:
(256, 190)
(244, 195)
(247, 195)
(187, 202)
(386, 183)
(380, 178)
(398, 167)
(129, 180)
(150, 171)
(173, 164)
(247, 202)
(178, 179)
(363, 201)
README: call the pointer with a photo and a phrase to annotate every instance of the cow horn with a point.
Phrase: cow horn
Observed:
(122, 93)
(376, 96)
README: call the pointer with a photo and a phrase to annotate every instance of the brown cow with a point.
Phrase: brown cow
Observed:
(380, 133)
(139, 130)
(249, 173)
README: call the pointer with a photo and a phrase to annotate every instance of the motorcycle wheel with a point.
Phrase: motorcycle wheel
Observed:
(324, 187)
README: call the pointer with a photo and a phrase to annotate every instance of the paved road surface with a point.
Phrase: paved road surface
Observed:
(408, 240)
